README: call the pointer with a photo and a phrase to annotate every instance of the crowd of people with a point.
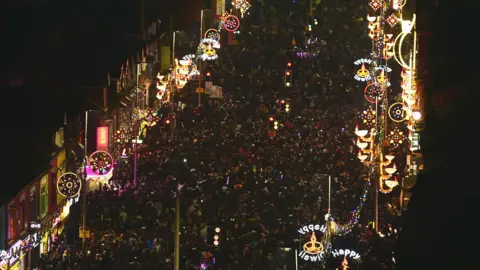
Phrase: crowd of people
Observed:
(230, 171)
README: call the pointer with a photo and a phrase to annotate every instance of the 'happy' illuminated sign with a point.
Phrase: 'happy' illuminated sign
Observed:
(347, 253)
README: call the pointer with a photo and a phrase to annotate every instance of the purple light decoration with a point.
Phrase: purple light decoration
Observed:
(228, 180)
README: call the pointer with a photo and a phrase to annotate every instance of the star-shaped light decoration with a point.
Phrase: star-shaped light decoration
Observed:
(243, 5)
(375, 4)
(122, 136)
(149, 117)
(392, 20)
(368, 117)
(396, 136)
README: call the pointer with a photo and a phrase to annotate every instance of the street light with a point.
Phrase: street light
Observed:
(85, 187)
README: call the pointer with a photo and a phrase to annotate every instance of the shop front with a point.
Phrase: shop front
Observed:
(13, 257)
(46, 234)
(58, 225)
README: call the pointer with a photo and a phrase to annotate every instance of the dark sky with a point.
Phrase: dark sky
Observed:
(48, 48)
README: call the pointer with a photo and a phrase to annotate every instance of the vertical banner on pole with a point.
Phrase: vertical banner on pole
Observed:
(102, 138)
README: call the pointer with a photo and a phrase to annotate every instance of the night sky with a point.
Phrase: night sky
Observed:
(49, 48)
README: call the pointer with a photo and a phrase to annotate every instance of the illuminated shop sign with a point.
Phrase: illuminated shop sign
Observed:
(313, 250)
(13, 253)
(125, 152)
(35, 225)
(347, 253)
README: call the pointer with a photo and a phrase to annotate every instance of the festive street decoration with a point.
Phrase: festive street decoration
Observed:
(397, 112)
(149, 117)
(373, 92)
(242, 5)
(346, 253)
(69, 185)
(375, 4)
(100, 162)
(392, 20)
(363, 74)
(368, 117)
(212, 34)
(313, 250)
(208, 49)
(122, 136)
(396, 136)
(231, 23)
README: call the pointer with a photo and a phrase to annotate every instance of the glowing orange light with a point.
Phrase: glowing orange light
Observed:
(289, 64)
(102, 138)
(271, 118)
(167, 121)
(208, 74)
(288, 73)
(282, 101)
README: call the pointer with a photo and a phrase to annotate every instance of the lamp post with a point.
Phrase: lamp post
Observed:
(177, 232)
(85, 186)
(200, 64)
(135, 143)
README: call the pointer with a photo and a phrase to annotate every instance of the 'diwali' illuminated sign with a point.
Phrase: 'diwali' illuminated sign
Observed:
(313, 250)
(347, 253)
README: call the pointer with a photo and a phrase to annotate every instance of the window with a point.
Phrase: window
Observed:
(43, 199)
(20, 213)
(33, 206)
(11, 223)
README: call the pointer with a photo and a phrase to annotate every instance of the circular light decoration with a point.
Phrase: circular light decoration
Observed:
(212, 33)
(121, 136)
(396, 136)
(208, 48)
(368, 117)
(363, 74)
(397, 112)
(231, 23)
(373, 92)
(100, 162)
(69, 185)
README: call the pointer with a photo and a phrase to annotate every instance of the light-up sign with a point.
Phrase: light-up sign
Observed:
(125, 152)
(313, 250)
(347, 253)
(102, 138)
(363, 74)
(13, 253)
(362, 61)
(35, 225)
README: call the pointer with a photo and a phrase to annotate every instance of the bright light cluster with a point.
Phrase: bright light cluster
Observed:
(242, 5)
(385, 123)
(209, 47)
